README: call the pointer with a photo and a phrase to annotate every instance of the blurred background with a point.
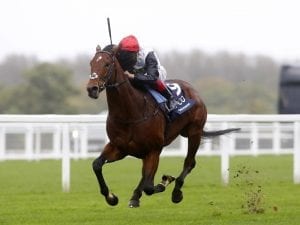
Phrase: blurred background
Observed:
(233, 52)
(243, 56)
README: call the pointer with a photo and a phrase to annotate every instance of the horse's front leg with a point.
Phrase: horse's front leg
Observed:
(109, 154)
(146, 184)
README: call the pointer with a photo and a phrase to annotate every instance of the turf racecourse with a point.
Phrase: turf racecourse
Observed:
(261, 191)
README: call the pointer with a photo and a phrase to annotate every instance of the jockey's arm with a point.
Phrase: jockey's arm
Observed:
(130, 75)
(150, 74)
(151, 66)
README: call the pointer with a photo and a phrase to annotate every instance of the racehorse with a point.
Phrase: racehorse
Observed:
(137, 127)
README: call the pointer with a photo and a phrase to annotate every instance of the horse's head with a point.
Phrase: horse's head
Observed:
(102, 68)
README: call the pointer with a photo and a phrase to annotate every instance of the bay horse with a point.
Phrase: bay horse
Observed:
(137, 127)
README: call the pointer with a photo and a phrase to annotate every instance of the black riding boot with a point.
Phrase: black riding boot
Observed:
(171, 101)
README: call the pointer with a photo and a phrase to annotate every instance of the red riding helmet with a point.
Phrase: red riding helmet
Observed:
(129, 43)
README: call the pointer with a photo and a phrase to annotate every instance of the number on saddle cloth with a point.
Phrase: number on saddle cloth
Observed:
(183, 103)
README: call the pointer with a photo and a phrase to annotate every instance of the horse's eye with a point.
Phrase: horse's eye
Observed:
(106, 65)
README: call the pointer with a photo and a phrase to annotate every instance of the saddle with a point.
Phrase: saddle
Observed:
(182, 104)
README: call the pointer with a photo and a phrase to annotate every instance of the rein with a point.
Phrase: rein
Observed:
(107, 78)
(108, 75)
(115, 85)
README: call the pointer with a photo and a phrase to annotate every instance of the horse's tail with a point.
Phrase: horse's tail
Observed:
(219, 132)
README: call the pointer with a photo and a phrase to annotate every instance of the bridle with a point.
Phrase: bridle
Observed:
(106, 78)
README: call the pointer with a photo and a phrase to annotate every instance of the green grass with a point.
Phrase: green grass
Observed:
(31, 193)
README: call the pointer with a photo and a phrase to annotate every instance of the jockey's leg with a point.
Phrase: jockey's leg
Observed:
(164, 90)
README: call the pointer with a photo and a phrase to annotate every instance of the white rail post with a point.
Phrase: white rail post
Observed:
(224, 145)
(254, 138)
(66, 159)
(183, 145)
(38, 144)
(83, 141)
(276, 138)
(29, 142)
(297, 152)
(207, 144)
(75, 140)
(56, 140)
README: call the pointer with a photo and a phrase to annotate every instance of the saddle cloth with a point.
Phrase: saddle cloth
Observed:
(183, 104)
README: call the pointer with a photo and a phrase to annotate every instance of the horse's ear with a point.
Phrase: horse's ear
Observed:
(98, 48)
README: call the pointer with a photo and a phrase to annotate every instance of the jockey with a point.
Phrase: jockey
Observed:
(143, 67)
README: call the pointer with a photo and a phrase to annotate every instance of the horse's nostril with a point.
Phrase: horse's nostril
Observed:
(93, 92)
(94, 89)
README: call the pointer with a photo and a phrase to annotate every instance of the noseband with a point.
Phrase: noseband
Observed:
(108, 75)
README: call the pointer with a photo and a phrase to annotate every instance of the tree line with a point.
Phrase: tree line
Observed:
(228, 83)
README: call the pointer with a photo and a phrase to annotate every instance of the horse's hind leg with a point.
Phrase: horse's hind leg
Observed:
(189, 164)
(109, 154)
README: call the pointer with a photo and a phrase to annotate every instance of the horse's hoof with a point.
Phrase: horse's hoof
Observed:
(112, 199)
(168, 178)
(177, 196)
(134, 203)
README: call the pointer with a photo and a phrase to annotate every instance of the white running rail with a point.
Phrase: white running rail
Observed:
(36, 137)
